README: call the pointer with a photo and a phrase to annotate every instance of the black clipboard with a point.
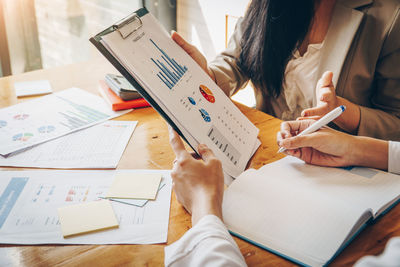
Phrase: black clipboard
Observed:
(126, 27)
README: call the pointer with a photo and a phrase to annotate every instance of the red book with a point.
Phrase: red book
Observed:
(116, 102)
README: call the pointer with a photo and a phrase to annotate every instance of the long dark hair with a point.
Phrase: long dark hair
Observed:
(272, 30)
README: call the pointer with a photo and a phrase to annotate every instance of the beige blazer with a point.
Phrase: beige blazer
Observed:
(361, 48)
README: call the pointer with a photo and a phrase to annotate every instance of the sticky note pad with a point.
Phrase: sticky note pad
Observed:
(138, 186)
(31, 88)
(87, 217)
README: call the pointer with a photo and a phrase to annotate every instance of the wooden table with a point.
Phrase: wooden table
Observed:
(149, 149)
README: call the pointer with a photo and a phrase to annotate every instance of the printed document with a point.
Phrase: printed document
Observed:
(99, 146)
(48, 117)
(29, 201)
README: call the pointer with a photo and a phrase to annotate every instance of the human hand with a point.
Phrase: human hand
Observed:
(325, 147)
(193, 52)
(198, 184)
(326, 98)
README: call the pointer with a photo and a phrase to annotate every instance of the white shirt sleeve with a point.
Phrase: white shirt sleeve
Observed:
(391, 255)
(394, 157)
(389, 258)
(208, 243)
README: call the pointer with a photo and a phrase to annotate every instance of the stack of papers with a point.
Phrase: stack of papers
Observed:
(45, 118)
(30, 214)
(100, 146)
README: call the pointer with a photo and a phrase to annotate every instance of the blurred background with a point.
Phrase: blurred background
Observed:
(36, 34)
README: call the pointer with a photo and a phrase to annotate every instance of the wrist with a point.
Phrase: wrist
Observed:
(370, 152)
(208, 204)
(350, 119)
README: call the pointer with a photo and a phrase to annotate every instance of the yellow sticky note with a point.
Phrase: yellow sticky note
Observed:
(135, 185)
(87, 217)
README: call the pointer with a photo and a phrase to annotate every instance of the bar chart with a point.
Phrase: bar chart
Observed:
(80, 115)
(224, 145)
(170, 71)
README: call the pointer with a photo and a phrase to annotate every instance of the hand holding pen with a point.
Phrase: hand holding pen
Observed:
(325, 120)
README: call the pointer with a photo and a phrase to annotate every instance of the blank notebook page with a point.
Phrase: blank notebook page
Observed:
(301, 210)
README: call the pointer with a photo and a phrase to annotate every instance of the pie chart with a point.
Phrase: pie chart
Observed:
(207, 94)
(3, 124)
(191, 100)
(205, 115)
(46, 129)
(22, 137)
(20, 117)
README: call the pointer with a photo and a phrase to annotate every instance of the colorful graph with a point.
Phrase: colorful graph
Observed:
(21, 117)
(81, 115)
(22, 137)
(170, 71)
(205, 115)
(191, 100)
(208, 95)
(46, 129)
(3, 124)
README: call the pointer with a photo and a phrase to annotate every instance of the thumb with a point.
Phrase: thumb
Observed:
(315, 111)
(182, 43)
(326, 79)
(297, 142)
(205, 152)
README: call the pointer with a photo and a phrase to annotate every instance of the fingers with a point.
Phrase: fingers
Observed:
(287, 127)
(177, 144)
(298, 142)
(205, 152)
(290, 128)
(195, 155)
(182, 43)
(326, 79)
(315, 118)
(327, 94)
(315, 111)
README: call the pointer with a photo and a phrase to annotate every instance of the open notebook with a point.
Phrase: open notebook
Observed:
(306, 213)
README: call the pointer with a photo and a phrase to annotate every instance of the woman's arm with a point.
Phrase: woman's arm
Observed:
(228, 74)
(328, 147)
(224, 69)
(381, 119)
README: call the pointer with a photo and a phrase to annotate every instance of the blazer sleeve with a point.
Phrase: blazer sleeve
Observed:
(228, 75)
(383, 117)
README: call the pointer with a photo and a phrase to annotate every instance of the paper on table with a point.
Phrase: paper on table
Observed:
(136, 202)
(30, 200)
(48, 117)
(137, 186)
(86, 217)
(99, 146)
(32, 88)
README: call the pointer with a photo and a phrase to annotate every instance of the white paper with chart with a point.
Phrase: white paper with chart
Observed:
(199, 108)
(48, 117)
(29, 201)
(99, 146)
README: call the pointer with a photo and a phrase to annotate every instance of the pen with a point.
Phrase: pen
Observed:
(333, 114)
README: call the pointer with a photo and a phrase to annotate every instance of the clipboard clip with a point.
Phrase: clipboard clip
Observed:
(128, 25)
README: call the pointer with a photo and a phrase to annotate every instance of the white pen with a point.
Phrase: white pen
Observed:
(333, 114)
